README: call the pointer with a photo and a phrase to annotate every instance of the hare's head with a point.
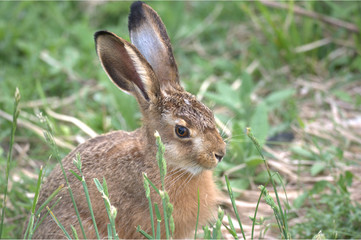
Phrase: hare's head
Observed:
(146, 68)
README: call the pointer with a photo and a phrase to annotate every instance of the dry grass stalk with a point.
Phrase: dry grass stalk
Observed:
(303, 12)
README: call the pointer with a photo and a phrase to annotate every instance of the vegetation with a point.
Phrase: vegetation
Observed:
(289, 70)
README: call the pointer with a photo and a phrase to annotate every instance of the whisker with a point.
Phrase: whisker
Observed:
(173, 172)
(223, 132)
(191, 164)
(236, 141)
(239, 137)
(224, 127)
(184, 184)
(187, 181)
(174, 180)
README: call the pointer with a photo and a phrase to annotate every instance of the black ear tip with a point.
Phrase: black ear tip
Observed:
(98, 33)
(136, 15)
(135, 5)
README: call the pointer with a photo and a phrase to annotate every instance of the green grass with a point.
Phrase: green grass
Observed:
(10, 157)
(333, 211)
(258, 77)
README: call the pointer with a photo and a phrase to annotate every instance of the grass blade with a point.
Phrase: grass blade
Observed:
(49, 199)
(45, 215)
(255, 213)
(90, 206)
(111, 211)
(30, 225)
(230, 192)
(147, 194)
(110, 232)
(75, 174)
(198, 201)
(231, 230)
(280, 216)
(163, 171)
(141, 231)
(207, 232)
(12, 136)
(58, 223)
(75, 234)
(32, 216)
(160, 158)
(217, 233)
(77, 163)
(37, 190)
(165, 202)
(159, 220)
(152, 184)
(105, 187)
(48, 134)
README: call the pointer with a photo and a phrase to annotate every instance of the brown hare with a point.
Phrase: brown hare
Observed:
(146, 69)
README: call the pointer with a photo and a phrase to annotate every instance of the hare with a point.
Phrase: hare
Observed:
(145, 68)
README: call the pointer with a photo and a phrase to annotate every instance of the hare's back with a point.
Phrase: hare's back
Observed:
(116, 156)
(113, 155)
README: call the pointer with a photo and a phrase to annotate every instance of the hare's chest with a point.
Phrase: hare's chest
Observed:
(185, 203)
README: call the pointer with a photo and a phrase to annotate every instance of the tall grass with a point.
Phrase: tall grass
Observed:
(279, 212)
(111, 210)
(49, 136)
(281, 215)
(102, 188)
(166, 204)
(77, 163)
(35, 201)
(230, 192)
(16, 112)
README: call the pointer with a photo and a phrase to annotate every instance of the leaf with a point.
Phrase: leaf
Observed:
(344, 96)
(262, 177)
(317, 168)
(302, 152)
(276, 98)
(219, 99)
(348, 177)
(345, 180)
(253, 161)
(319, 187)
(240, 183)
(246, 89)
(259, 123)
(299, 201)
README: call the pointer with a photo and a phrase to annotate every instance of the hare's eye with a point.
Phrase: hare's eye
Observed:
(181, 131)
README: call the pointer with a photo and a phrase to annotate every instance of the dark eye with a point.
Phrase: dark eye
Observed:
(181, 131)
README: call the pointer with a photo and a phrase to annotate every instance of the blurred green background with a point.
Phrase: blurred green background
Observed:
(268, 68)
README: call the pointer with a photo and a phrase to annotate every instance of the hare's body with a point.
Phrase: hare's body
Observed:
(192, 143)
(118, 168)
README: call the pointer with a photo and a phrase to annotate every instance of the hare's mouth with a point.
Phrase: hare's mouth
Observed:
(204, 163)
(208, 161)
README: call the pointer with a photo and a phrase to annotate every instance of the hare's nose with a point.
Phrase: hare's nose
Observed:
(220, 152)
(219, 156)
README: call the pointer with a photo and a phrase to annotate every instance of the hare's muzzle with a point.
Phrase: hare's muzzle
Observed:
(218, 156)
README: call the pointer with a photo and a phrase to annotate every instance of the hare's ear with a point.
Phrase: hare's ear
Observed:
(126, 67)
(149, 36)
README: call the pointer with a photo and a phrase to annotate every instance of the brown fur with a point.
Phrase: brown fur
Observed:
(121, 157)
